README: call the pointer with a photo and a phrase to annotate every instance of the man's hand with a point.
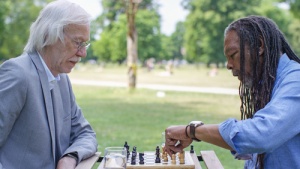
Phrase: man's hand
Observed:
(176, 139)
(66, 163)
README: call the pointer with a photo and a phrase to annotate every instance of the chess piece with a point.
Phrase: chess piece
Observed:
(192, 149)
(157, 159)
(141, 158)
(173, 159)
(133, 155)
(127, 148)
(133, 161)
(165, 156)
(181, 157)
(157, 151)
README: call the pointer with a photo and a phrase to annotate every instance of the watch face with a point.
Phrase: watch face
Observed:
(196, 122)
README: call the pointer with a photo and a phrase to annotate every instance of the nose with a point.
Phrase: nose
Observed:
(229, 65)
(81, 52)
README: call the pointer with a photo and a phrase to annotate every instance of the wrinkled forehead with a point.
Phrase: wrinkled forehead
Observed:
(78, 31)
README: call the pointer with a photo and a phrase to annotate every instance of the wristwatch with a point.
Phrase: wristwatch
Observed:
(72, 155)
(193, 125)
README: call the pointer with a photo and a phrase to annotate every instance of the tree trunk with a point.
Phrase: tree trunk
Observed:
(132, 47)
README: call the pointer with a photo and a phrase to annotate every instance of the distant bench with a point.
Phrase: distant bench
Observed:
(208, 157)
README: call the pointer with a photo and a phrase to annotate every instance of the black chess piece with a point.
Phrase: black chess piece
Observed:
(133, 153)
(192, 149)
(141, 158)
(157, 153)
(127, 149)
(133, 161)
(157, 150)
(157, 159)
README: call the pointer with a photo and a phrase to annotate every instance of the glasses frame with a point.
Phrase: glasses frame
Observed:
(80, 45)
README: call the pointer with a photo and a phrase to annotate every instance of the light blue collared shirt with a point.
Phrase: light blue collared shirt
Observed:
(275, 129)
(51, 79)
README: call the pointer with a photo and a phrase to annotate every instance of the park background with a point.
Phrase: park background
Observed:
(194, 50)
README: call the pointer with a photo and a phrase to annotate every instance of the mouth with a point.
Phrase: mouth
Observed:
(75, 60)
(236, 74)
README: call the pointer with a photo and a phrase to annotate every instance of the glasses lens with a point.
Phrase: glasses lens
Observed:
(87, 45)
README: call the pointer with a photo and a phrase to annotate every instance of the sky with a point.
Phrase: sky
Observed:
(170, 11)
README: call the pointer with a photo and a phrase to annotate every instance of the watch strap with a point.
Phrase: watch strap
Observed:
(193, 131)
(72, 155)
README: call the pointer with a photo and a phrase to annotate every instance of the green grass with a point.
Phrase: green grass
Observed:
(187, 75)
(140, 117)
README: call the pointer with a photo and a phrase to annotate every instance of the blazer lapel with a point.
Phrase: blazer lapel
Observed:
(47, 97)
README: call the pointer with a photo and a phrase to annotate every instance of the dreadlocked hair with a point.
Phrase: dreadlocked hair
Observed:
(255, 32)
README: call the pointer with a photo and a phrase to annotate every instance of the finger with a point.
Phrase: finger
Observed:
(171, 142)
(175, 149)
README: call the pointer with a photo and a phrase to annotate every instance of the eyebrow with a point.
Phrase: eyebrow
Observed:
(228, 50)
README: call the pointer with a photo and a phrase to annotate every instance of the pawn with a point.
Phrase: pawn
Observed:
(192, 149)
(181, 157)
(165, 156)
(173, 159)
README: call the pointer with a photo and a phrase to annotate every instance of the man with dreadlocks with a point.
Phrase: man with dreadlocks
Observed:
(268, 134)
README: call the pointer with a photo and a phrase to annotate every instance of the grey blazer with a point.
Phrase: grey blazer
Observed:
(34, 132)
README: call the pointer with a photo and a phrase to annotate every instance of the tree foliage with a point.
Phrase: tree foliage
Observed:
(201, 34)
(294, 7)
(205, 27)
(111, 45)
(15, 19)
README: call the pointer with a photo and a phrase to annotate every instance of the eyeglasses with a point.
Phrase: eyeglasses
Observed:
(81, 45)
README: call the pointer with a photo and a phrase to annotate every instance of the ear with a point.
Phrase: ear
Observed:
(262, 47)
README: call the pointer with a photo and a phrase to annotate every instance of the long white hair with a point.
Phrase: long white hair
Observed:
(50, 24)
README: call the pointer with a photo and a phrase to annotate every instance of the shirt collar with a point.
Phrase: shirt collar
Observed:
(51, 79)
(283, 61)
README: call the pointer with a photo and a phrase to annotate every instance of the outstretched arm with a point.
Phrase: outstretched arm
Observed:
(178, 137)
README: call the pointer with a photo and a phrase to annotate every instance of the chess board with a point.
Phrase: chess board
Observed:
(149, 162)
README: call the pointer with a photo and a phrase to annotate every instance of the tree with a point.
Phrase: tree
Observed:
(285, 20)
(110, 46)
(132, 38)
(294, 7)
(205, 27)
(178, 41)
(15, 20)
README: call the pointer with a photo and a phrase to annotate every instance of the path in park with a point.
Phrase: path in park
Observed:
(158, 87)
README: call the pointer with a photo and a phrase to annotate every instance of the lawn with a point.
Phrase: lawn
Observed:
(140, 117)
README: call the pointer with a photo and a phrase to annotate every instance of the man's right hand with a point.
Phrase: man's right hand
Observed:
(176, 139)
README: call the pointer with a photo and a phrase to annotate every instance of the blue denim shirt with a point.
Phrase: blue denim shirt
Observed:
(273, 130)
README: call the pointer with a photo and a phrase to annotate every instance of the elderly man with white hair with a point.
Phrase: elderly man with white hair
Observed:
(41, 125)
